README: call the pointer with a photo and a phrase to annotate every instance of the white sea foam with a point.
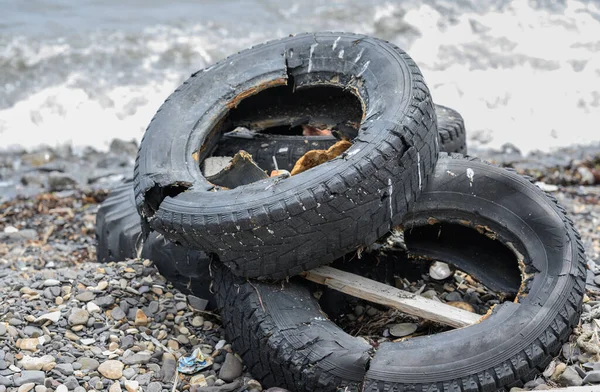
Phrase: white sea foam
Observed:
(521, 74)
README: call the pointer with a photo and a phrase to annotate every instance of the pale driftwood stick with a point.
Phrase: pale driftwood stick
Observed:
(380, 293)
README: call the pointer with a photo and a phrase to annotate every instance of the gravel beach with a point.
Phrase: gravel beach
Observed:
(68, 323)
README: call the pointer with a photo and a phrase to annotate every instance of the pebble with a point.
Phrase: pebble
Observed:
(2, 330)
(89, 364)
(36, 363)
(439, 270)
(26, 387)
(92, 308)
(592, 377)
(570, 351)
(558, 370)
(231, 368)
(78, 316)
(62, 388)
(115, 387)
(85, 296)
(570, 378)
(402, 329)
(142, 357)
(169, 365)
(64, 368)
(197, 321)
(140, 318)
(453, 297)
(462, 305)
(117, 313)
(29, 376)
(105, 301)
(132, 386)
(154, 387)
(111, 369)
(197, 303)
(52, 316)
(51, 282)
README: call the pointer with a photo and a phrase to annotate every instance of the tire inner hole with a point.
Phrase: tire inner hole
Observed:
(480, 258)
(278, 126)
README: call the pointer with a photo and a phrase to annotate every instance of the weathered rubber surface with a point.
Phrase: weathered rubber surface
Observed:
(119, 237)
(451, 130)
(280, 332)
(276, 228)
(118, 228)
(288, 149)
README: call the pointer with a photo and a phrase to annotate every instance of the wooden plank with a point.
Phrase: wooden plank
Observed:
(383, 294)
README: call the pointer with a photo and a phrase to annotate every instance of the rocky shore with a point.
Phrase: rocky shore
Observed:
(68, 323)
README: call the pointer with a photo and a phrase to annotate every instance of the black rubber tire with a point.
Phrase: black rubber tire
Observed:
(119, 237)
(451, 130)
(288, 149)
(272, 228)
(285, 341)
(118, 226)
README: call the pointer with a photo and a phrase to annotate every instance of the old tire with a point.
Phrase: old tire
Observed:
(118, 227)
(119, 237)
(273, 228)
(282, 336)
(287, 149)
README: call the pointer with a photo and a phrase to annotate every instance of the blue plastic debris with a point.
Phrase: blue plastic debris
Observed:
(194, 363)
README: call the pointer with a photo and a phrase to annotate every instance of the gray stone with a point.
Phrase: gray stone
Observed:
(58, 181)
(231, 368)
(19, 236)
(41, 388)
(5, 381)
(117, 313)
(154, 387)
(85, 296)
(129, 373)
(2, 330)
(359, 310)
(402, 329)
(197, 303)
(32, 331)
(64, 368)
(27, 376)
(144, 379)
(169, 364)
(139, 358)
(592, 377)
(570, 378)
(152, 308)
(78, 316)
(570, 351)
(453, 296)
(71, 382)
(127, 341)
(104, 301)
(81, 389)
(86, 363)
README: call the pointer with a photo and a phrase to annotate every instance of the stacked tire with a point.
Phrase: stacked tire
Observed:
(402, 169)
